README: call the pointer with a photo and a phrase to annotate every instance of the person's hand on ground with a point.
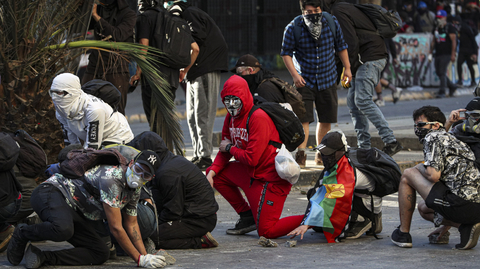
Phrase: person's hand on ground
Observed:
(300, 230)
(151, 261)
(440, 231)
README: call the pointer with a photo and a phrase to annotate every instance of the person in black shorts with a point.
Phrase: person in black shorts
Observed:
(448, 181)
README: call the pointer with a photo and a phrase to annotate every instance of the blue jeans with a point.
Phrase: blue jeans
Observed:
(363, 109)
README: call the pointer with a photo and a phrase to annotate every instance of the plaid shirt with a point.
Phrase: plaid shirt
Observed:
(315, 63)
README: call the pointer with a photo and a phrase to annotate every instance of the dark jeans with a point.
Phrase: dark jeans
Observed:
(62, 223)
(462, 57)
(441, 65)
(185, 233)
(9, 211)
(147, 99)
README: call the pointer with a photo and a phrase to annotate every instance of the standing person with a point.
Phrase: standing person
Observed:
(314, 72)
(85, 117)
(187, 210)
(146, 29)
(396, 92)
(425, 18)
(254, 169)
(468, 50)
(448, 181)
(72, 210)
(113, 20)
(445, 45)
(203, 78)
(368, 57)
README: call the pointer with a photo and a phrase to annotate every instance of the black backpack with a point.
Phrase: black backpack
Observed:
(174, 39)
(377, 165)
(103, 90)
(387, 22)
(291, 95)
(32, 160)
(288, 125)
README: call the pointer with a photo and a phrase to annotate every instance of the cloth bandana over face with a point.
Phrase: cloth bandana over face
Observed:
(69, 105)
(314, 25)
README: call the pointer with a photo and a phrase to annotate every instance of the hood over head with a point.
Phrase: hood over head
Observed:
(151, 140)
(237, 86)
(71, 104)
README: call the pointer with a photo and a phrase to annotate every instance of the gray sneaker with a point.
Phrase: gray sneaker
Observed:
(34, 257)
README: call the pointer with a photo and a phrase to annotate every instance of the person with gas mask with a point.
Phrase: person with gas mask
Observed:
(72, 210)
(310, 43)
(445, 46)
(112, 21)
(334, 151)
(448, 181)
(253, 169)
(85, 117)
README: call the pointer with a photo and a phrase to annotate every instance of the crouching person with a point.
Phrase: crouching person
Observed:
(187, 210)
(253, 170)
(349, 191)
(448, 181)
(73, 209)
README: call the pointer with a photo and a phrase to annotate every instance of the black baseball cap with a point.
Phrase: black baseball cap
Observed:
(246, 60)
(149, 158)
(333, 141)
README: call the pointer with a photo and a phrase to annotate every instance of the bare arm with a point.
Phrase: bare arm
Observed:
(430, 173)
(193, 56)
(114, 217)
(297, 79)
(454, 117)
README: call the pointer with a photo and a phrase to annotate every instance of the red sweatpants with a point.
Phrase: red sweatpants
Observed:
(265, 199)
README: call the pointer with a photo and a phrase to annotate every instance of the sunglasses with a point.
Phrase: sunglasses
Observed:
(422, 124)
(138, 170)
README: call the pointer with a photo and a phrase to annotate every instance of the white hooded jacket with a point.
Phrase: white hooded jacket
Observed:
(86, 117)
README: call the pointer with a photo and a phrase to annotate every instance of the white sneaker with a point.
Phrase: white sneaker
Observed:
(396, 95)
(379, 102)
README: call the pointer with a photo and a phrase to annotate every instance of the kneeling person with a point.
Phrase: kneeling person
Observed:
(72, 210)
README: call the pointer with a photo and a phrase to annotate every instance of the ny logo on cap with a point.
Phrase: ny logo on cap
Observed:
(152, 159)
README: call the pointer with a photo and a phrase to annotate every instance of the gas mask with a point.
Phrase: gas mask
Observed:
(233, 104)
(136, 176)
(314, 24)
(473, 118)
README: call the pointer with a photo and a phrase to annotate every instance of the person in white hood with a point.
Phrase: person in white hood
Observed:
(86, 117)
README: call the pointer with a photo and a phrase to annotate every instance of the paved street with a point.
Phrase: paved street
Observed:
(313, 251)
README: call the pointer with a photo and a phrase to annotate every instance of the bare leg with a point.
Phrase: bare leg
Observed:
(306, 129)
(322, 130)
(411, 182)
(427, 214)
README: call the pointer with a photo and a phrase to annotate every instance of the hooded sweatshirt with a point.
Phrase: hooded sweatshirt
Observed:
(86, 117)
(179, 188)
(249, 148)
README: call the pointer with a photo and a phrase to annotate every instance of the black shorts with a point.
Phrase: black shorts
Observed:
(326, 104)
(452, 207)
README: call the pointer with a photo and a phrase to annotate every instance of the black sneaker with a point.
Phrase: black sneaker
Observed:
(195, 159)
(452, 90)
(468, 236)
(34, 257)
(403, 240)
(356, 229)
(17, 245)
(244, 225)
(204, 163)
(392, 148)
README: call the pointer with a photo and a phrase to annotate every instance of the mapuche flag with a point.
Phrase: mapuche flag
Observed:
(331, 205)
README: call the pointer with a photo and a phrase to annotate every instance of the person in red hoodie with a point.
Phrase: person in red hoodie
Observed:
(253, 169)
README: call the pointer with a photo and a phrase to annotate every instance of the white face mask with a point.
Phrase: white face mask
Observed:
(133, 180)
(233, 104)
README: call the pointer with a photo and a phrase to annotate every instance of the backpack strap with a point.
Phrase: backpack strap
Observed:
(271, 142)
(331, 23)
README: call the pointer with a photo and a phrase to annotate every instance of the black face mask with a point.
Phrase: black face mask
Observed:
(252, 82)
(421, 133)
(329, 161)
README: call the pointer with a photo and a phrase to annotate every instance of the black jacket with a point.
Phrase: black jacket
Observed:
(213, 54)
(468, 44)
(119, 23)
(9, 151)
(180, 189)
(362, 46)
(263, 87)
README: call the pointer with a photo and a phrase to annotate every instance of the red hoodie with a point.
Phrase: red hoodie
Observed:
(252, 148)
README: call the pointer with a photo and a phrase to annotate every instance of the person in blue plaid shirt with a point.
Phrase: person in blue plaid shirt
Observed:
(308, 51)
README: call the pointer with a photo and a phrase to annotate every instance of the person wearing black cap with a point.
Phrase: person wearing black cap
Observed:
(72, 210)
(257, 77)
(334, 149)
(448, 181)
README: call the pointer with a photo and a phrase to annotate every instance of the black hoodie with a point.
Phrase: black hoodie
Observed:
(180, 189)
